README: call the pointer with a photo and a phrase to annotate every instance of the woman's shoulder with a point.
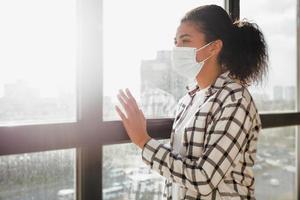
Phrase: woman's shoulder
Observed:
(233, 91)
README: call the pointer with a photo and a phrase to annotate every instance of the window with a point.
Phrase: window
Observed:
(43, 175)
(37, 85)
(103, 39)
(278, 23)
(275, 168)
(125, 176)
(38, 57)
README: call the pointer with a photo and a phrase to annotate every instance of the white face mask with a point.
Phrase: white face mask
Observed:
(184, 61)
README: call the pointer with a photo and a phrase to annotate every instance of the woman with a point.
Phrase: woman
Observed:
(215, 131)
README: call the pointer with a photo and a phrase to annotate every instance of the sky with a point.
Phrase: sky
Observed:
(38, 44)
(38, 40)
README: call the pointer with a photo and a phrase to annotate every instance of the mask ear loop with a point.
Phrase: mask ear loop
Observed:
(207, 58)
(203, 48)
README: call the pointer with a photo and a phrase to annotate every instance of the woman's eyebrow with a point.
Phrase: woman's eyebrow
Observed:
(184, 35)
(181, 36)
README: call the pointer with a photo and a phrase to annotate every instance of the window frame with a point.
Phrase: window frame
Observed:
(88, 133)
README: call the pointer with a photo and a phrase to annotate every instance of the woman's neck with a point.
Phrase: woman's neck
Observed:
(208, 74)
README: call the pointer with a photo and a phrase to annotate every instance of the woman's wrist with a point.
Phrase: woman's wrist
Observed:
(144, 141)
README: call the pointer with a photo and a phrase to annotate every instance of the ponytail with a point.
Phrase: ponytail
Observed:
(248, 60)
(244, 52)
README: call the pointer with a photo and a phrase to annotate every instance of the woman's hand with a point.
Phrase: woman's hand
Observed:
(134, 121)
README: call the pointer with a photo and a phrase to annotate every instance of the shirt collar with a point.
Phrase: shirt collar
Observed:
(221, 80)
(192, 88)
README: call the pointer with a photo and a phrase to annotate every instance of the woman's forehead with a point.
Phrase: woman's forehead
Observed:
(188, 29)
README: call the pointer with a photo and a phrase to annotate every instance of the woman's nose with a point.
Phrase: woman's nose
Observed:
(178, 44)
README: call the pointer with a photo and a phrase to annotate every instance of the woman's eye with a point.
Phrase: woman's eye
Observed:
(185, 41)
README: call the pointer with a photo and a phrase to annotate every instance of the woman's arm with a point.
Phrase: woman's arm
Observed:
(229, 135)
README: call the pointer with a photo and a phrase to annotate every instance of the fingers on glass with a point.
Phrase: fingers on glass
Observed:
(132, 99)
(128, 100)
(121, 114)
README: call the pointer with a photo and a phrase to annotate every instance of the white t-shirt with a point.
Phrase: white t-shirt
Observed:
(177, 147)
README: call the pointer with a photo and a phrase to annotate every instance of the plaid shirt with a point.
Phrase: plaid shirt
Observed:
(220, 145)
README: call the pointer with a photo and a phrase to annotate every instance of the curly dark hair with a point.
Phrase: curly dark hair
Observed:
(244, 52)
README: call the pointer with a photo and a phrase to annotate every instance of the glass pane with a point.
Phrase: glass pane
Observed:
(277, 19)
(38, 61)
(275, 168)
(127, 177)
(38, 176)
(136, 54)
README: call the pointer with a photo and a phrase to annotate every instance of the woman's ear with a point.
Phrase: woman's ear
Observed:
(217, 46)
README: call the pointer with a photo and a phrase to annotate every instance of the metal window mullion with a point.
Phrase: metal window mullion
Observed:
(89, 100)
(25, 139)
(297, 185)
(233, 9)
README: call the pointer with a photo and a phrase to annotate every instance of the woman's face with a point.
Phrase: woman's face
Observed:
(189, 36)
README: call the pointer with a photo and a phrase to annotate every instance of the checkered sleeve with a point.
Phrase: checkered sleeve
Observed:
(228, 137)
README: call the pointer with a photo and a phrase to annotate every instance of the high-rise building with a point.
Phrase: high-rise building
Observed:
(278, 93)
(161, 86)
